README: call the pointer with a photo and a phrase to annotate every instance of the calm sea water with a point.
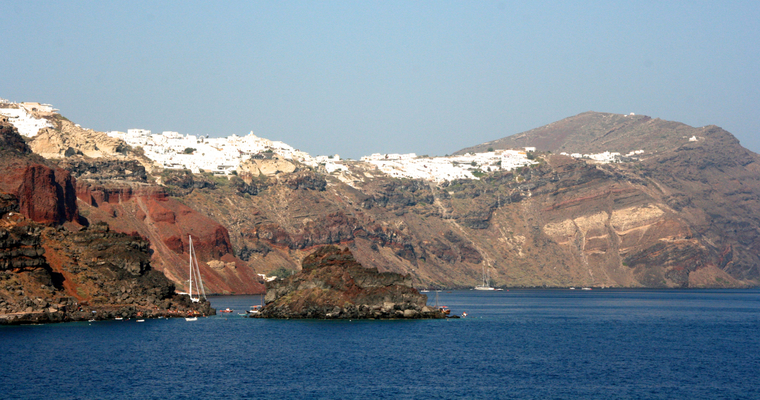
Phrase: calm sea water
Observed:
(524, 344)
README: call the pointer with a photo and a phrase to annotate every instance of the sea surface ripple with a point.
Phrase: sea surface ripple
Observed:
(517, 344)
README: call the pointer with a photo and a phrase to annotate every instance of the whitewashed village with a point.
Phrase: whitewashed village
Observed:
(223, 156)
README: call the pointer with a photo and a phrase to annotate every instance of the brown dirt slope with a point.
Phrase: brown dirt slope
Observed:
(594, 132)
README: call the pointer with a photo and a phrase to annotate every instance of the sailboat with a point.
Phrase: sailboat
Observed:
(486, 285)
(195, 274)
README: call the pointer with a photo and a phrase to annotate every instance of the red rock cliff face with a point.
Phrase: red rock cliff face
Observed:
(45, 194)
(147, 210)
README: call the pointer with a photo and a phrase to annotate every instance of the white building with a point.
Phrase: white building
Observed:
(440, 169)
(24, 122)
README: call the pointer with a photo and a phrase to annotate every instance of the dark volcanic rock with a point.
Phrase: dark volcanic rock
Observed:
(305, 180)
(127, 170)
(332, 285)
(334, 229)
(183, 182)
(54, 275)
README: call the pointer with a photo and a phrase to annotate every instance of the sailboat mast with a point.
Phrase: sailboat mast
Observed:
(190, 292)
(195, 275)
(199, 280)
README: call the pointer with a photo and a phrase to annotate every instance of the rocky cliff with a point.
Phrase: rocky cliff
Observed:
(66, 139)
(682, 215)
(332, 285)
(148, 210)
(50, 274)
(54, 267)
(45, 194)
(119, 193)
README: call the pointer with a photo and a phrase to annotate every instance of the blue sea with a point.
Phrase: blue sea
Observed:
(517, 344)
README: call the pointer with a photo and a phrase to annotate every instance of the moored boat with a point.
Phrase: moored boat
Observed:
(195, 273)
(486, 285)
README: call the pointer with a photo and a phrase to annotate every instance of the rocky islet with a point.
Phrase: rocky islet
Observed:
(332, 285)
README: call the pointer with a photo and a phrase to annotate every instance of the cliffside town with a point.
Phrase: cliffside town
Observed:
(226, 155)
(597, 199)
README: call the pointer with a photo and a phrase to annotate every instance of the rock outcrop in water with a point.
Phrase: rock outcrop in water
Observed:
(332, 285)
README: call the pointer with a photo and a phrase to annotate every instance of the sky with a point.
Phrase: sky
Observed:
(360, 77)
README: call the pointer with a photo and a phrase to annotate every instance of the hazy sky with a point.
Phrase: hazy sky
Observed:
(355, 78)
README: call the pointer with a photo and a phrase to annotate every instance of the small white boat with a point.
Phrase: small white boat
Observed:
(140, 320)
(486, 285)
(118, 318)
(191, 318)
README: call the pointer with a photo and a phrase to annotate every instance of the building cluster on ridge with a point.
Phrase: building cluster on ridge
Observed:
(201, 153)
(20, 115)
(607, 157)
(439, 169)
(223, 156)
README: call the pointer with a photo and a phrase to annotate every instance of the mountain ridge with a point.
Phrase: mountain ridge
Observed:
(680, 214)
(595, 132)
